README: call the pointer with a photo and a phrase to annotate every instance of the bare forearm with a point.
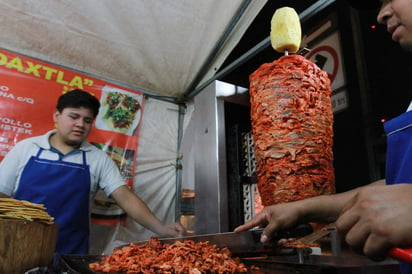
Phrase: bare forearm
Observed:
(327, 208)
(137, 210)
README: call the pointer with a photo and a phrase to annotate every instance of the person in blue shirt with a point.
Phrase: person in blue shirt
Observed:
(61, 170)
(373, 218)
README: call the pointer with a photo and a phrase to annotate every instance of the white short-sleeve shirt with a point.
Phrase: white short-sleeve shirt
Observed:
(104, 173)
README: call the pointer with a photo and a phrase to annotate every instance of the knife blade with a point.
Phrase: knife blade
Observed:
(242, 242)
(313, 237)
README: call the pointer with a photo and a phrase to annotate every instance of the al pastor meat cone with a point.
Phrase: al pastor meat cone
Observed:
(292, 126)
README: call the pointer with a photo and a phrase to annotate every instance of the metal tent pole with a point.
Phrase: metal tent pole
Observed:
(304, 16)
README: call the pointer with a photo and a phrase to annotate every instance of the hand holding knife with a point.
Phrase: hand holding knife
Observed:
(402, 254)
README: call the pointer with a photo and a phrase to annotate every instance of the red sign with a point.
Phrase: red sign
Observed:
(29, 90)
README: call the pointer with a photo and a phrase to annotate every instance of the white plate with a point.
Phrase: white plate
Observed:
(107, 124)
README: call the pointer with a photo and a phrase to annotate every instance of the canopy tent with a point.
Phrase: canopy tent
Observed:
(160, 47)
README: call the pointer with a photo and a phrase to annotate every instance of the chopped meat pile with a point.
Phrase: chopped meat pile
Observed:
(179, 257)
(292, 126)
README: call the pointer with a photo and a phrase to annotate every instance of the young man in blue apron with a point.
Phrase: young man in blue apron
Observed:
(63, 171)
(376, 217)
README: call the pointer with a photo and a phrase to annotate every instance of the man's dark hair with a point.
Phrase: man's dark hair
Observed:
(78, 98)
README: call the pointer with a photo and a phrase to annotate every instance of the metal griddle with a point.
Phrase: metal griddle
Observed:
(78, 264)
(269, 260)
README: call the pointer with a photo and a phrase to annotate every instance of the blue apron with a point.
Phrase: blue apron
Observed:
(63, 187)
(399, 156)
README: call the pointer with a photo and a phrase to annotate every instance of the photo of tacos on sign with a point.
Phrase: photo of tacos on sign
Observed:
(120, 111)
